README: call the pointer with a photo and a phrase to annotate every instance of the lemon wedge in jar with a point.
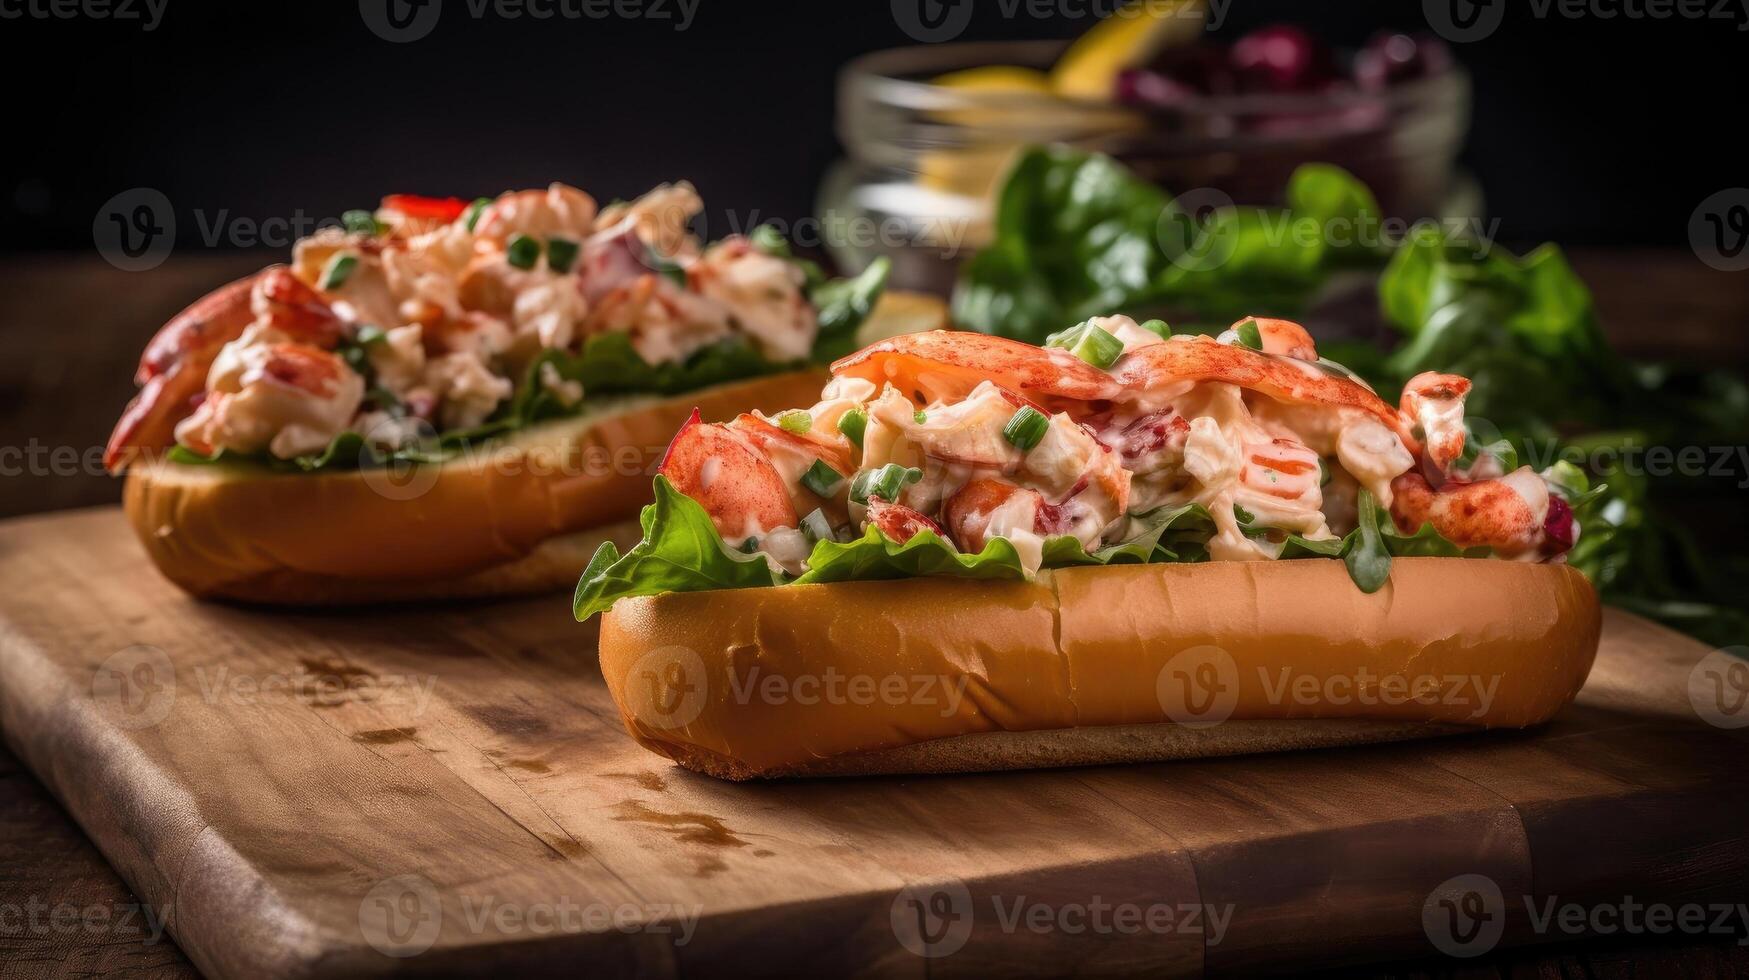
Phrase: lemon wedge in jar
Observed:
(971, 171)
(997, 78)
(1127, 38)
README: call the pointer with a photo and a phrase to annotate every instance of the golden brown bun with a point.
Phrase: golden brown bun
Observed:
(503, 519)
(1093, 665)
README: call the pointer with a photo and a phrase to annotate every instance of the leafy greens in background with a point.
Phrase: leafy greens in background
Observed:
(1076, 235)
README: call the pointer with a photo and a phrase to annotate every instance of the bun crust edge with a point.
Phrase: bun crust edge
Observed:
(519, 515)
(1089, 666)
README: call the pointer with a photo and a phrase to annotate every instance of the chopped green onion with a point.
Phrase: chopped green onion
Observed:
(1026, 428)
(795, 420)
(886, 483)
(853, 424)
(386, 402)
(769, 240)
(561, 253)
(472, 214)
(920, 416)
(1090, 343)
(337, 271)
(817, 528)
(1159, 328)
(1243, 516)
(668, 268)
(369, 334)
(1249, 335)
(822, 479)
(361, 222)
(522, 251)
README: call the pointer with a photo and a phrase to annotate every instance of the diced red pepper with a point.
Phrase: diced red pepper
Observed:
(414, 206)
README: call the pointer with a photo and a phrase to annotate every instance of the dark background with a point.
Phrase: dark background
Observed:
(1588, 131)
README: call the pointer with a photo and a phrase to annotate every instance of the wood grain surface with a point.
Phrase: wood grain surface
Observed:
(310, 794)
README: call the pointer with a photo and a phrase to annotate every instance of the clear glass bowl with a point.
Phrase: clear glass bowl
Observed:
(922, 159)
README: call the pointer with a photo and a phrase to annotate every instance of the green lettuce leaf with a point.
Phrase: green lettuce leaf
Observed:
(681, 552)
(843, 305)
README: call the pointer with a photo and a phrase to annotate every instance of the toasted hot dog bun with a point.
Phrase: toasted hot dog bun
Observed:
(522, 514)
(1089, 666)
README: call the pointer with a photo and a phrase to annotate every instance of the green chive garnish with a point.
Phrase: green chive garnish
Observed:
(337, 271)
(768, 240)
(1026, 428)
(1158, 328)
(853, 424)
(667, 268)
(1249, 336)
(561, 253)
(920, 416)
(795, 420)
(472, 214)
(822, 479)
(360, 222)
(886, 483)
(522, 252)
(817, 528)
(1090, 343)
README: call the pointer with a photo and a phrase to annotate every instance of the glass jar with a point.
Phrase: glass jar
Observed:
(923, 159)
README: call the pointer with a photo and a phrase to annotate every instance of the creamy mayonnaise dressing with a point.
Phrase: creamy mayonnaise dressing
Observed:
(461, 315)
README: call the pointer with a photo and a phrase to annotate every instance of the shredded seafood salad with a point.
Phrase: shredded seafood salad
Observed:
(432, 322)
(967, 455)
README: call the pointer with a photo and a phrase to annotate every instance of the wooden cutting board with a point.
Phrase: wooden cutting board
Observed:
(445, 789)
